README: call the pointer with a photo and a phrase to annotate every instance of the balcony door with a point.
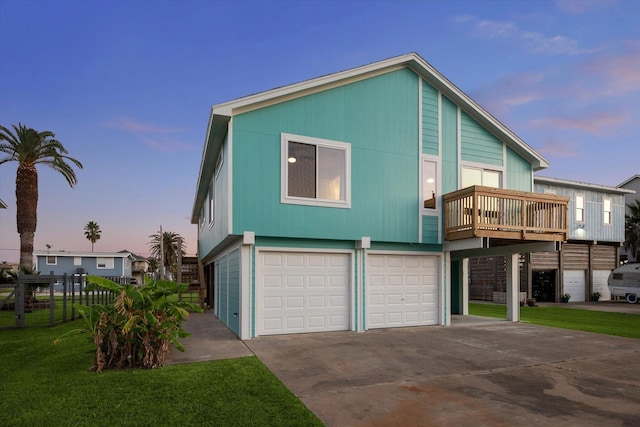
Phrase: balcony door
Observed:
(477, 176)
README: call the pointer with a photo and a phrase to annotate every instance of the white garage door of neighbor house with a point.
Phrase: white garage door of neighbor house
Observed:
(402, 290)
(302, 292)
(574, 283)
(600, 284)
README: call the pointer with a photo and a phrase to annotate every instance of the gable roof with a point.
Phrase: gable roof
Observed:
(3, 205)
(579, 184)
(222, 113)
(634, 177)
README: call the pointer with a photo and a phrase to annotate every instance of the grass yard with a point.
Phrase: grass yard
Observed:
(601, 322)
(42, 384)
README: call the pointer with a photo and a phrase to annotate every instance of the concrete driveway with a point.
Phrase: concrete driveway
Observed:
(478, 372)
(475, 373)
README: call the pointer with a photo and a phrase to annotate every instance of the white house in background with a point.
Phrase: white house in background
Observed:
(106, 264)
(632, 183)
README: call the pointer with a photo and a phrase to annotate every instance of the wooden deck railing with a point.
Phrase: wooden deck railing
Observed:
(505, 214)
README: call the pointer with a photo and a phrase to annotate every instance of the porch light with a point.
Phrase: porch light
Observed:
(291, 159)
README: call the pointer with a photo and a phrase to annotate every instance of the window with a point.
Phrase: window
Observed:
(52, 260)
(429, 184)
(476, 176)
(315, 171)
(77, 260)
(212, 198)
(606, 211)
(104, 263)
(579, 208)
(201, 218)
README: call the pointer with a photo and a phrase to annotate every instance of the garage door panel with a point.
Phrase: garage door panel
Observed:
(574, 284)
(402, 290)
(315, 295)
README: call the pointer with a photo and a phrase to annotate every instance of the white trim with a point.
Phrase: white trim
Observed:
(575, 208)
(420, 162)
(459, 144)
(55, 259)
(604, 200)
(230, 177)
(285, 138)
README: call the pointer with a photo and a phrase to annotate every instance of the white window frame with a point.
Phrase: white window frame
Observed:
(483, 169)
(284, 171)
(77, 260)
(436, 161)
(212, 202)
(606, 214)
(579, 209)
(48, 260)
(107, 264)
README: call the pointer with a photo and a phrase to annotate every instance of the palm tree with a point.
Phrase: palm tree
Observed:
(92, 231)
(632, 229)
(29, 148)
(167, 248)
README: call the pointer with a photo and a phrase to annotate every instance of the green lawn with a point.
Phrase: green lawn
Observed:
(42, 384)
(601, 322)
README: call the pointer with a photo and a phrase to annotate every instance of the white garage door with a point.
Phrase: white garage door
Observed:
(574, 282)
(402, 290)
(600, 284)
(302, 292)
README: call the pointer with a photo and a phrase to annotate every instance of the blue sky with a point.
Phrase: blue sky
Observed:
(127, 87)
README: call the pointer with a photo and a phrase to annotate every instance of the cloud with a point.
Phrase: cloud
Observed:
(601, 123)
(132, 125)
(167, 144)
(616, 74)
(557, 148)
(153, 136)
(577, 7)
(534, 42)
(512, 90)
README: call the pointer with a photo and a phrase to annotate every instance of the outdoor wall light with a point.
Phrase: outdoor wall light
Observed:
(291, 159)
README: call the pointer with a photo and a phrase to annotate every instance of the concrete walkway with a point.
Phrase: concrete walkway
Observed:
(478, 372)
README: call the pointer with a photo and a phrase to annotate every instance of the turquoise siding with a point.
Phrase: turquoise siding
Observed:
(478, 145)
(429, 119)
(228, 285)
(519, 172)
(234, 291)
(378, 117)
(430, 229)
(449, 146)
(210, 236)
(223, 290)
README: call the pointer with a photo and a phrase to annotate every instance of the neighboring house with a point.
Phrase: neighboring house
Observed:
(139, 268)
(106, 264)
(633, 184)
(582, 266)
(353, 201)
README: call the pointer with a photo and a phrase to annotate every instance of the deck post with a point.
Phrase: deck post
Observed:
(513, 288)
(464, 276)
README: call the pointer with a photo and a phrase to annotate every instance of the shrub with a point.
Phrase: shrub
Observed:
(135, 330)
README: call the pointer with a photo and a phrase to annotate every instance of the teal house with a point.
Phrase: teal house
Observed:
(353, 201)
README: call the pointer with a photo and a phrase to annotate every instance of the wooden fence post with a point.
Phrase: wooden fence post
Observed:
(19, 306)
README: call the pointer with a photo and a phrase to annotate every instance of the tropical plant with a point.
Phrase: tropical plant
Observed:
(29, 148)
(136, 329)
(167, 247)
(92, 232)
(632, 229)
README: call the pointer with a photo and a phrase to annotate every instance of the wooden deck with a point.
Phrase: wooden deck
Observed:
(505, 214)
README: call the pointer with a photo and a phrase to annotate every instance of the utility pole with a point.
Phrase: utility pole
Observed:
(179, 249)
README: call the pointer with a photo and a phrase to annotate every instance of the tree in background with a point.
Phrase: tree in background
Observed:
(29, 148)
(167, 247)
(632, 229)
(92, 232)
